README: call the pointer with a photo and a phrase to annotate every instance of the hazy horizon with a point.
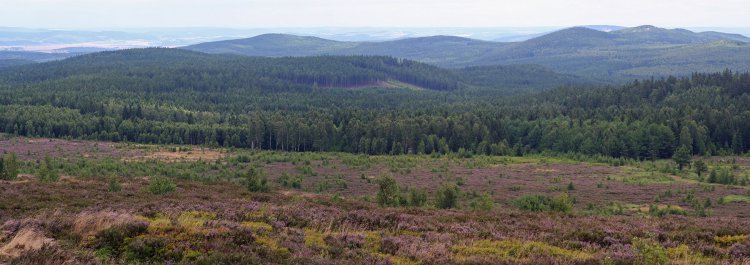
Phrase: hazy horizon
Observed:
(172, 23)
(56, 40)
(90, 14)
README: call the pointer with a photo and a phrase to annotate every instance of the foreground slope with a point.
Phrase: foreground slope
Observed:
(102, 203)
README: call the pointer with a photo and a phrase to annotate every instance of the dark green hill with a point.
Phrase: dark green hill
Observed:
(13, 62)
(175, 69)
(181, 69)
(571, 38)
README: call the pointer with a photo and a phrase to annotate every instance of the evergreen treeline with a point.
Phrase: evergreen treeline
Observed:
(155, 96)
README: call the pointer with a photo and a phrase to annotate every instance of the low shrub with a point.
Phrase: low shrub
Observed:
(447, 197)
(417, 197)
(485, 202)
(388, 192)
(47, 171)
(113, 240)
(255, 180)
(540, 203)
(114, 185)
(650, 252)
(150, 249)
(663, 211)
(8, 167)
(161, 185)
(290, 182)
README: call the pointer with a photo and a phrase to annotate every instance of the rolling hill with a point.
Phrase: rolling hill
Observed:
(653, 35)
(160, 68)
(614, 55)
(446, 51)
(274, 45)
(148, 68)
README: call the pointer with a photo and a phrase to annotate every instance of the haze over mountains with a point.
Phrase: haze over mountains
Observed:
(597, 53)
(615, 55)
(55, 40)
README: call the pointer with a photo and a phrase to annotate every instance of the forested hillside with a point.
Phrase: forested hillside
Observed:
(13, 62)
(521, 77)
(617, 56)
(173, 69)
(175, 96)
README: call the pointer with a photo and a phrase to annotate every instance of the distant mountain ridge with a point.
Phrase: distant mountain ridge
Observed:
(653, 34)
(588, 51)
(34, 56)
(275, 45)
(605, 28)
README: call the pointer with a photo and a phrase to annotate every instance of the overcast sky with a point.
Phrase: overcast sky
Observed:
(370, 13)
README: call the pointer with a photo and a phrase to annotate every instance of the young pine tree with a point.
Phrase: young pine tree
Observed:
(699, 166)
(417, 197)
(737, 147)
(2, 169)
(10, 165)
(571, 186)
(47, 172)
(682, 156)
(447, 197)
(255, 180)
(712, 177)
(388, 192)
(161, 185)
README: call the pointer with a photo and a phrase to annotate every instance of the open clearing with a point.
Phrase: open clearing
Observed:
(329, 213)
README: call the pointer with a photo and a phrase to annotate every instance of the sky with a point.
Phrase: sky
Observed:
(83, 14)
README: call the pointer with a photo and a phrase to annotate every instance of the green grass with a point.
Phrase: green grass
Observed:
(736, 198)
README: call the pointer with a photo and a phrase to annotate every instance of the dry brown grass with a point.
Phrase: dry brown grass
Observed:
(87, 224)
(180, 156)
(25, 240)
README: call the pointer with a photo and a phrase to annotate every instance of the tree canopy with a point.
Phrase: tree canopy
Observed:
(179, 97)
